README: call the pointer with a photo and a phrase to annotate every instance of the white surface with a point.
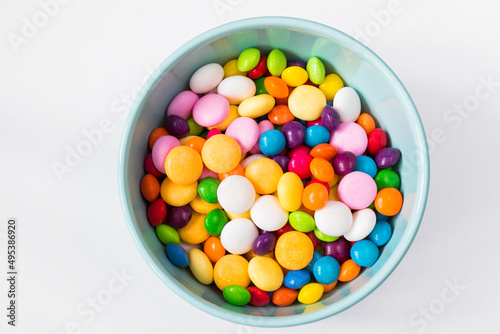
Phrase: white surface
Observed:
(77, 72)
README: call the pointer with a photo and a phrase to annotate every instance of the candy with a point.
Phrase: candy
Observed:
(264, 174)
(284, 296)
(294, 250)
(236, 88)
(366, 122)
(272, 142)
(268, 214)
(294, 133)
(377, 140)
(296, 279)
(238, 235)
(330, 118)
(264, 244)
(301, 221)
(155, 134)
(315, 70)
(310, 293)
(290, 189)
(150, 187)
(248, 59)
(258, 297)
(157, 211)
(177, 195)
(183, 165)
(323, 151)
(344, 163)
(238, 170)
(330, 85)
(276, 87)
(231, 68)
(215, 222)
(194, 232)
(381, 233)
(276, 62)
(236, 194)
(150, 168)
(387, 157)
(231, 269)
(349, 270)
(259, 86)
(314, 196)
(363, 222)
(388, 201)
(366, 165)
(347, 104)
(300, 164)
(316, 257)
(322, 170)
(236, 295)
(280, 114)
(349, 137)
(387, 178)
(231, 116)
(221, 153)
(265, 273)
(364, 253)
(200, 266)
(182, 104)
(210, 110)
(306, 102)
(177, 126)
(324, 237)
(333, 227)
(167, 234)
(247, 161)
(338, 249)
(206, 78)
(294, 76)
(161, 149)
(194, 128)
(357, 190)
(326, 270)
(282, 161)
(329, 287)
(213, 249)
(177, 255)
(207, 188)
(256, 106)
(178, 216)
(316, 135)
(260, 69)
(199, 205)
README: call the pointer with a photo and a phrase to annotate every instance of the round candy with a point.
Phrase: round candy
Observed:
(276, 62)
(215, 222)
(177, 126)
(349, 270)
(207, 188)
(302, 221)
(290, 189)
(260, 88)
(323, 151)
(161, 149)
(200, 266)
(316, 257)
(342, 222)
(388, 201)
(245, 131)
(296, 279)
(315, 70)
(259, 70)
(264, 126)
(183, 165)
(366, 165)
(264, 174)
(339, 249)
(302, 149)
(221, 153)
(326, 270)
(194, 128)
(256, 106)
(364, 253)
(155, 134)
(177, 255)
(294, 133)
(157, 211)
(179, 216)
(182, 104)
(248, 59)
(167, 234)
(280, 114)
(324, 237)
(357, 190)
(331, 85)
(348, 104)
(236, 88)
(366, 122)
(349, 137)
(238, 235)
(265, 273)
(150, 187)
(306, 102)
(330, 118)
(381, 233)
(284, 296)
(231, 269)
(177, 195)
(247, 161)
(310, 293)
(210, 110)
(268, 214)
(314, 196)
(264, 244)
(344, 163)
(194, 232)
(201, 206)
(231, 68)
(206, 78)
(387, 157)
(231, 116)
(258, 297)
(238, 170)
(387, 178)
(363, 222)
(282, 161)
(276, 87)
(214, 249)
(300, 164)
(316, 135)
(377, 140)
(236, 295)
(236, 194)
(294, 76)
(322, 170)
(294, 250)
(272, 142)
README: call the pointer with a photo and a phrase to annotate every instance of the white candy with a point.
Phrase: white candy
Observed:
(206, 78)
(268, 214)
(236, 194)
(347, 104)
(238, 235)
(236, 88)
(363, 222)
(334, 219)
(247, 161)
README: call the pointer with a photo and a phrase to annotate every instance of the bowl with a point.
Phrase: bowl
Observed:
(382, 95)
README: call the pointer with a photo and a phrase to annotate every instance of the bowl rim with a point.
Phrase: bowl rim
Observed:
(422, 186)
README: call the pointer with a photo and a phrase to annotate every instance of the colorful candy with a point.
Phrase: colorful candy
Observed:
(206, 78)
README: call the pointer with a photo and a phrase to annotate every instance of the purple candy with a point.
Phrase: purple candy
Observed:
(294, 133)
(178, 216)
(344, 163)
(283, 161)
(330, 118)
(264, 244)
(176, 126)
(339, 249)
(387, 157)
(296, 63)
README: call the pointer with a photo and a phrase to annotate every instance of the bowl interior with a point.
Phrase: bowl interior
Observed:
(382, 95)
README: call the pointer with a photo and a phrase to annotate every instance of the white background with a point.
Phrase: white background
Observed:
(80, 67)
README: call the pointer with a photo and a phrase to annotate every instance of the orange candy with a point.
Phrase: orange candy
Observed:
(284, 296)
(155, 134)
(324, 151)
(280, 114)
(366, 122)
(276, 87)
(214, 249)
(284, 100)
(322, 169)
(196, 143)
(150, 187)
(349, 270)
(314, 196)
(388, 201)
(329, 287)
(238, 170)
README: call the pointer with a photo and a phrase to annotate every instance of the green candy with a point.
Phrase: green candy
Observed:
(302, 221)
(276, 62)
(194, 128)
(167, 234)
(259, 86)
(315, 70)
(207, 188)
(204, 134)
(236, 295)
(387, 178)
(323, 237)
(215, 222)
(248, 59)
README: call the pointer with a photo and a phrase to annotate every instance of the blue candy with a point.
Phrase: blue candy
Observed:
(272, 142)
(316, 134)
(381, 233)
(316, 257)
(296, 279)
(364, 253)
(366, 165)
(177, 255)
(326, 270)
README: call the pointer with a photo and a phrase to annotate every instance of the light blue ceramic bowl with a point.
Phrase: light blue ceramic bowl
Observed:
(382, 94)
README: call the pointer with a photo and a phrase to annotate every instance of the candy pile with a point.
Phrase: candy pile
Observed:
(272, 178)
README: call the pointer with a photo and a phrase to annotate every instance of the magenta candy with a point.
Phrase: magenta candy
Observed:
(315, 122)
(176, 126)
(339, 249)
(210, 110)
(387, 157)
(343, 163)
(178, 217)
(300, 165)
(350, 137)
(283, 161)
(245, 131)
(213, 132)
(182, 104)
(302, 149)
(294, 133)
(264, 244)
(161, 149)
(330, 118)
(150, 168)
(357, 190)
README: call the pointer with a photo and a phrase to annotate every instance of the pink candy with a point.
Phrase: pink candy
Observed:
(264, 126)
(182, 105)
(245, 131)
(161, 149)
(350, 137)
(210, 110)
(357, 190)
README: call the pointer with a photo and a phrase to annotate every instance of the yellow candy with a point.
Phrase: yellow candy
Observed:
(256, 106)
(233, 114)
(265, 273)
(331, 85)
(194, 232)
(221, 153)
(294, 76)
(184, 140)
(201, 206)
(306, 102)
(183, 165)
(334, 181)
(294, 250)
(334, 194)
(231, 269)
(290, 189)
(177, 195)
(250, 255)
(231, 68)
(264, 174)
(200, 266)
(233, 216)
(311, 293)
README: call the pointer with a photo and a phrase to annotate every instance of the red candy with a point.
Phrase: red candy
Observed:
(283, 230)
(377, 140)
(259, 70)
(213, 132)
(157, 212)
(302, 149)
(300, 164)
(258, 297)
(316, 242)
(315, 122)
(150, 168)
